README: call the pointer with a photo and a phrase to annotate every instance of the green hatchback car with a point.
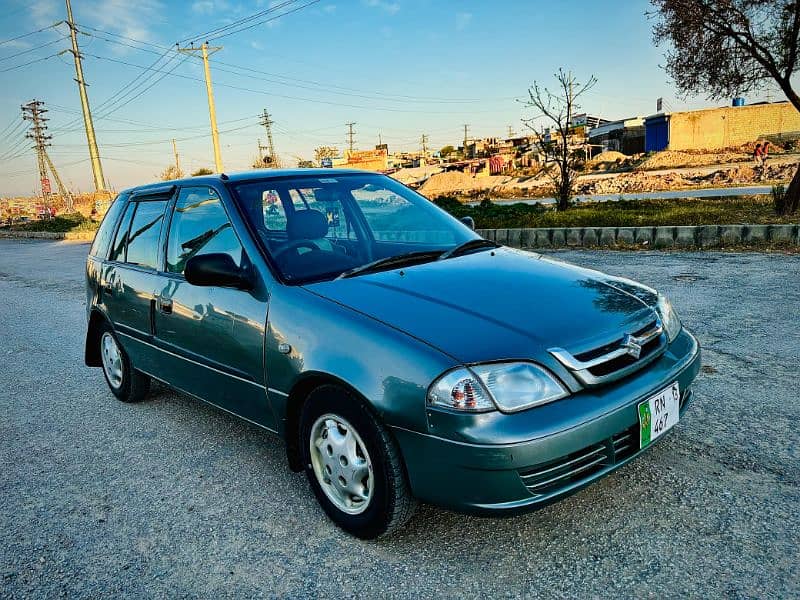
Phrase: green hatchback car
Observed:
(401, 356)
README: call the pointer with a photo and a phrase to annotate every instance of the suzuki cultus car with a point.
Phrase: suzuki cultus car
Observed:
(402, 357)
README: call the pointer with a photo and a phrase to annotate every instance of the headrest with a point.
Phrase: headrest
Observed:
(308, 224)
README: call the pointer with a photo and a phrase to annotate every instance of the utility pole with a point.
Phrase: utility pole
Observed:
(424, 144)
(466, 137)
(205, 51)
(34, 112)
(94, 153)
(511, 132)
(267, 122)
(350, 136)
(177, 159)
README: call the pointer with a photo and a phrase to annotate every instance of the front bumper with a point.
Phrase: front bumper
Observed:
(509, 478)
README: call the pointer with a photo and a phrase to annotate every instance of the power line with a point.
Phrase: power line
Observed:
(24, 35)
(245, 23)
(300, 98)
(29, 63)
(141, 90)
(50, 43)
(325, 86)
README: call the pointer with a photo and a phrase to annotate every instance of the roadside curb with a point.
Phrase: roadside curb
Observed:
(49, 235)
(681, 237)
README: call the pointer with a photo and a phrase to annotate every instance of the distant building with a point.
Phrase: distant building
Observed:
(718, 128)
(586, 120)
(624, 135)
(369, 160)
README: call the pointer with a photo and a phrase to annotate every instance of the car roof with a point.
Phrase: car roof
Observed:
(244, 176)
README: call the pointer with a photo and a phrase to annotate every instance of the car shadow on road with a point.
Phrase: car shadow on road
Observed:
(429, 524)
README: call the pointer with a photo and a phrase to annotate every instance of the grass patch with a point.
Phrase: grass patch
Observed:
(624, 213)
(60, 224)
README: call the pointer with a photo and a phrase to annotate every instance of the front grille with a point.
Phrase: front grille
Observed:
(551, 476)
(616, 359)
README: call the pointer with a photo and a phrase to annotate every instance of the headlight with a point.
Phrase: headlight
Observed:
(669, 318)
(509, 386)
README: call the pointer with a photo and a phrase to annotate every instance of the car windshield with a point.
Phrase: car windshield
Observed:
(319, 227)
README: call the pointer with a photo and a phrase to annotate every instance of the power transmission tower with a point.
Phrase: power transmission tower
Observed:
(94, 153)
(466, 137)
(350, 136)
(511, 132)
(69, 205)
(267, 122)
(34, 112)
(424, 143)
(205, 51)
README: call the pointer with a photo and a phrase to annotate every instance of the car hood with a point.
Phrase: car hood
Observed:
(502, 304)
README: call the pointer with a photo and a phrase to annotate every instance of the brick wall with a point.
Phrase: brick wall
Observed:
(731, 126)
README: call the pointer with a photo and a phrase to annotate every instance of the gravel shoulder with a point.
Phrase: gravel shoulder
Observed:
(173, 498)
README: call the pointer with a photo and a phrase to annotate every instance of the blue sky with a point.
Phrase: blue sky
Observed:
(398, 68)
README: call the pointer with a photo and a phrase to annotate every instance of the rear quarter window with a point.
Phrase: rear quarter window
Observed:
(144, 234)
(102, 239)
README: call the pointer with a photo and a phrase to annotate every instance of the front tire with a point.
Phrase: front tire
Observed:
(124, 381)
(353, 465)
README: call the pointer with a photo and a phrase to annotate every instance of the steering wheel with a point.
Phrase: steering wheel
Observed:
(295, 245)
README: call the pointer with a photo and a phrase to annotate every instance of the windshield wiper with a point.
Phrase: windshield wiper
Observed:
(392, 262)
(467, 247)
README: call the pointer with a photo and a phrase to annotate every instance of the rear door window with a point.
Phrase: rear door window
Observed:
(144, 234)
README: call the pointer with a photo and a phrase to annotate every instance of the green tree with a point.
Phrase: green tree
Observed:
(446, 151)
(725, 48)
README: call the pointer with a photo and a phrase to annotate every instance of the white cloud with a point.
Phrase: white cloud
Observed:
(329, 8)
(462, 20)
(203, 7)
(134, 20)
(46, 12)
(390, 8)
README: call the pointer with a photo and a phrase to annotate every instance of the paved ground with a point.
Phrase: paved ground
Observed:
(172, 498)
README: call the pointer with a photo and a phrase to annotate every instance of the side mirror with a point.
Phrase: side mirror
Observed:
(216, 269)
(469, 222)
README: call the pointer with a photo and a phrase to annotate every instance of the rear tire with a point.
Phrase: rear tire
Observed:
(353, 464)
(124, 381)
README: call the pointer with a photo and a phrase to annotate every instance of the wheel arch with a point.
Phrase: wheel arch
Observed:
(298, 395)
(91, 352)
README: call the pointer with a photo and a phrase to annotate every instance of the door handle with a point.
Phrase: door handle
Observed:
(165, 305)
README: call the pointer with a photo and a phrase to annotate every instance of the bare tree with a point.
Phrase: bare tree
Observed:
(553, 126)
(170, 173)
(325, 152)
(725, 48)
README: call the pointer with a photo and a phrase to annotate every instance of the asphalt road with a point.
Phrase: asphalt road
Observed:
(172, 498)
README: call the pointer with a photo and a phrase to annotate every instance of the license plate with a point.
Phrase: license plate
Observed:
(658, 414)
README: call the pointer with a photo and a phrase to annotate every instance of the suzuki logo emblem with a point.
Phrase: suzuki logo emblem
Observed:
(631, 345)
